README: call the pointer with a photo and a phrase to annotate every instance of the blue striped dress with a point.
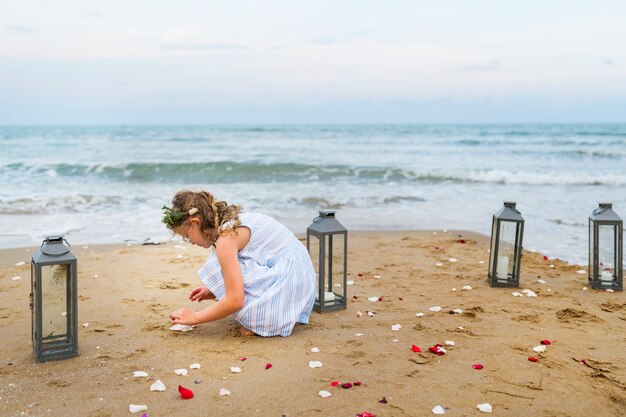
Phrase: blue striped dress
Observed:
(278, 278)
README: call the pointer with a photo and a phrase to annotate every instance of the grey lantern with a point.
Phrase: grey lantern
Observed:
(53, 301)
(605, 248)
(327, 243)
(507, 230)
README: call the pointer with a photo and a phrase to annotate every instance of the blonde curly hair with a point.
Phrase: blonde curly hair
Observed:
(214, 214)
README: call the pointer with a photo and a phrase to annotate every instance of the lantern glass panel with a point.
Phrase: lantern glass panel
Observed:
(54, 280)
(336, 262)
(314, 251)
(506, 250)
(607, 252)
(492, 252)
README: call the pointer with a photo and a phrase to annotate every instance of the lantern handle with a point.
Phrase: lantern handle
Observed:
(68, 247)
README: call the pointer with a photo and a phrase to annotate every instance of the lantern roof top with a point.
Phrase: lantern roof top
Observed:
(54, 249)
(605, 213)
(509, 212)
(326, 223)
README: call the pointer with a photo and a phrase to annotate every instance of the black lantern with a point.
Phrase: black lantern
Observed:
(507, 231)
(53, 301)
(605, 248)
(327, 243)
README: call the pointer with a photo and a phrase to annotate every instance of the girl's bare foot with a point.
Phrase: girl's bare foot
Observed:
(246, 332)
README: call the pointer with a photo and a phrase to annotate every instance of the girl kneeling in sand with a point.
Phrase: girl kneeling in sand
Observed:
(259, 272)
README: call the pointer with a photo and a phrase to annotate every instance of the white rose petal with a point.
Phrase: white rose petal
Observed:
(481, 262)
(181, 371)
(377, 276)
(540, 348)
(419, 314)
(235, 369)
(449, 342)
(359, 314)
(315, 364)
(439, 410)
(140, 374)
(466, 287)
(325, 394)
(179, 256)
(157, 386)
(181, 328)
(373, 299)
(396, 327)
(541, 281)
(224, 391)
(371, 313)
(457, 311)
(20, 263)
(85, 324)
(551, 266)
(453, 289)
(349, 282)
(453, 260)
(193, 211)
(517, 294)
(581, 272)
(16, 278)
(609, 290)
(435, 309)
(485, 408)
(438, 264)
(195, 366)
(358, 334)
(315, 350)
(135, 408)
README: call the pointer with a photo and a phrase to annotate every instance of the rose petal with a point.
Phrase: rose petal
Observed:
(373, 299)
(485, 408)
(185, 393)
(334, 383)
(533, 359)
(477, 366)
(415, 349)
(435, 309)
(235, 369)
(315, 364)
(437, 349)
(346, 385)
(539, 348)
(315, 350)
(135, 408)
(438, 410)
(360, 275)
(268, 365)
(195, 366)
(324, 394)
(545, 342)
(242, 359)
(380, 298)
(396, 327)
(140, 374)
(157, 386)
(181, 371)
(356, 383)
(224, 391)
(383, 400)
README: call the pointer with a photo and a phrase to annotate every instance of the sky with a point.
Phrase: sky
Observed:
(351, 61)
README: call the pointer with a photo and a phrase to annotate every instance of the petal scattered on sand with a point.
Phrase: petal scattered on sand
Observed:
(243, 358)
(481, 262)
(20, 263)
(85, 325)
(449, 342)
(16, 278)
(609, 290)
(438, 410)
(356, 383)
(466, 287)
(195, 366)
(419, 314)
(453, 289)
(581, 272)
(373, 299)
(438, 349)
(551, 266)
(533, 359)
(383, 400)
(546, 342)
(315, 364)
(315, 350)
(365, 414)
(359, 314)
(224, 391)
(457, 311)
(346, 385)
(235, 370)
(181, 328)
(585, 288)
(325, 394)
(453, 260)
(157, 386)
(541, 281)
(539, 349)
(358, 334)
(268, 365)
(485, 408)
(140, 374)
(517, 294)
(435, 308)
(349, 282)
(181, 371)
(395, 340)
(396, 327)
(377, 276)
(334, 383)
(370, 314)
(477, 366)
(438, 264)
(416, 348)
(135, 408)
(186, 393)
(179, 256)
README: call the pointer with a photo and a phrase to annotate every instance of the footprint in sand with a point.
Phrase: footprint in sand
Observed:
(568, 314)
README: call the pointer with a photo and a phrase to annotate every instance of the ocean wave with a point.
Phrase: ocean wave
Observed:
(228, 172)
(72, 203)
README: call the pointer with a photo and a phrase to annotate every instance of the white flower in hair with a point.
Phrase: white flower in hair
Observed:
(193, 211)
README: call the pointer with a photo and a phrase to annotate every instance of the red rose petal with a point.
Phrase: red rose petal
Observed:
(461, 240)
(355, 297)
(582, 362)
(185, 393)
(346, 385)
(366, 414)
(477, 366)
(545, 342)
(242, 359)
(357, 383)
(380, 298)
(437, 349)
(400, 298)
(383, 400)
(334, 383)
(545, 258)
(360, 275)
(533, 359)
(268, 365)
(416, 349)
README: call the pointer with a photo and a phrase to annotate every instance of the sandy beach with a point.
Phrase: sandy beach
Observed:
(127, 292)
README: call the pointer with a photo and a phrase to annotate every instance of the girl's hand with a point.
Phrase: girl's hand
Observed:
(201, 293)
(184, 316)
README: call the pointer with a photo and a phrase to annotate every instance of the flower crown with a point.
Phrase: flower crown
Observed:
(172, 217)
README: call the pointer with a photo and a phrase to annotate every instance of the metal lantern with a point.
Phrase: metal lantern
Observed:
(605, 248)
(507, 230)
(53, 301)
(327, 243)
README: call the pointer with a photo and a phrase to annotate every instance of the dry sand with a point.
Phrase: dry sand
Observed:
(127, 309)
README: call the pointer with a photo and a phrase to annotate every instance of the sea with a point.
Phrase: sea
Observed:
(107, 184)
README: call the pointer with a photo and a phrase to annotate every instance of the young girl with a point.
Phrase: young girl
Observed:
(259, 272)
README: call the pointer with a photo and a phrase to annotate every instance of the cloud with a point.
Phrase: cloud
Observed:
(492, 65)
(19, 29)
(205, 46)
